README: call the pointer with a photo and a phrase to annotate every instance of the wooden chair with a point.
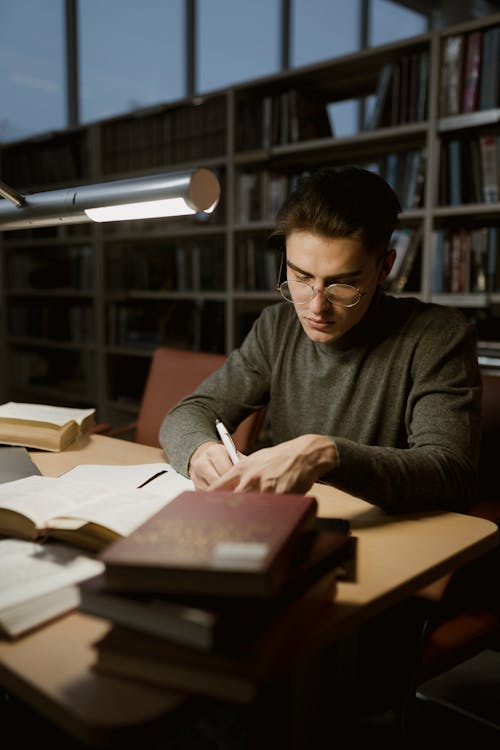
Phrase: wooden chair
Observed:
(173, 374)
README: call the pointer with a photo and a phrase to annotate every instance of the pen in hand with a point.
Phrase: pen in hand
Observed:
(227, 440)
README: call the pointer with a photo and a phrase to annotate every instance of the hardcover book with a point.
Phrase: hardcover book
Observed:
(209, 623)
(213, 543)
(234, 674)
(50, 428)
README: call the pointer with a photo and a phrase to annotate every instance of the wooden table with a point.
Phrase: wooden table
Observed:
(51, 668)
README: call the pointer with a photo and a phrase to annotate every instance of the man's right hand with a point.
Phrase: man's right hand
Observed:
(209, 462)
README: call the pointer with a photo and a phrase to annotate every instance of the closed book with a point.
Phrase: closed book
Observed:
(235, 673)
(39, 582)
(213, 543)
(50, 428)
(207, 623)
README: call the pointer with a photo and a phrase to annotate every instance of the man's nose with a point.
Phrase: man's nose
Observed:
(320, 301)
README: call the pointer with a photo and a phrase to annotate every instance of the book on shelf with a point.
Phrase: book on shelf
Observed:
(84, 509)
(470, 93)
(39, 582)
(16, 463)
(207, 623)
(234, 673)
(451, 75)
(488, 144)
(215, 543)
(406, 241)
(377, 116)
(50, 428)
(490, 70)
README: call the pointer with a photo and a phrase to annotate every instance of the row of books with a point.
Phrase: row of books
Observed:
(257, 265)
(165, 137)
(185, 324)
(259, 195)
(470, 71)
(470, 170)
(405, 173)
(401, 92)
(57, 322)
(69, 372)
(62, 158)
(186, 266)
(63, 267)
(279, 119)
(466, 260)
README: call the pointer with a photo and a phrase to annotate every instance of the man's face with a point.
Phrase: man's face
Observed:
(321, 261)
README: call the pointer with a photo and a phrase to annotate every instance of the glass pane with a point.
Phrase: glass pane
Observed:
(236, 41)
(32, 80)
(131, 55)
(321, 29)
(344, 117)
(390, 21)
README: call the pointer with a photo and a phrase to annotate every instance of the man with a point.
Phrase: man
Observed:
(376, 395)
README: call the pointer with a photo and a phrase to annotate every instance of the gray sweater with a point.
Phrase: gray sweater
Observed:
(399, 393)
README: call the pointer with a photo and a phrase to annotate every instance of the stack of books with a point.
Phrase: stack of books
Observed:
(212, 595)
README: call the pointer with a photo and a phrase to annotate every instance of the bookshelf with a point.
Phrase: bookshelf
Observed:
(84, 306)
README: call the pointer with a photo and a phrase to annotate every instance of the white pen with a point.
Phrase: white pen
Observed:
(227, 440)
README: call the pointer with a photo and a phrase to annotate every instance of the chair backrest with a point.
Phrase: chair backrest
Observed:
(489, 456)
(173, 374)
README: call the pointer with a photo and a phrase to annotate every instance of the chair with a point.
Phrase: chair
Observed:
(173, 374)
(465, 618)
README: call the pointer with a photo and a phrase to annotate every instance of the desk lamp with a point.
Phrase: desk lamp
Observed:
(153, 196)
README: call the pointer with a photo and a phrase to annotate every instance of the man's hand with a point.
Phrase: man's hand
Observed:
(209, 462)
(292, 466)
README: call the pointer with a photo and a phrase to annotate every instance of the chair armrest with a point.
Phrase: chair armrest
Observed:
(128, 429)
(102, 428)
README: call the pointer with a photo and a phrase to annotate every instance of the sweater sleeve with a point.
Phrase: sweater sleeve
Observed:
(192, 421)
(438, 467)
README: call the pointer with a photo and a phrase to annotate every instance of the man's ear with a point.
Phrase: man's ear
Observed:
(387, 264)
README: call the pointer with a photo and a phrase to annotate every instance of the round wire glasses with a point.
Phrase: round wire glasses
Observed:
(301, 293)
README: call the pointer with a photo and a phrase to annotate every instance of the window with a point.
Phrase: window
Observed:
(236, 41)
(131, 55)
(390, 21)
(322, 29)
(32, 81)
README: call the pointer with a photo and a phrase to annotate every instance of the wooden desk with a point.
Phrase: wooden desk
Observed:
(51, 668)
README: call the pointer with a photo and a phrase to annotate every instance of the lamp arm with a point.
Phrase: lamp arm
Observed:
(12, 195)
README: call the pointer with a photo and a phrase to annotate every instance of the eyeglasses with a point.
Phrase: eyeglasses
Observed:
(301, 293)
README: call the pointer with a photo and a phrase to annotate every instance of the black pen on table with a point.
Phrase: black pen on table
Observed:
(227, 440)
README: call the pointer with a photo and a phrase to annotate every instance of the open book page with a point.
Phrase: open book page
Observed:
(41, 498)
(58, 415)
(128, 477)
(29, 570)
(58, 502)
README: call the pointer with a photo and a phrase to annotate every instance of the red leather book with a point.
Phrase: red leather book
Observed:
(213, 543)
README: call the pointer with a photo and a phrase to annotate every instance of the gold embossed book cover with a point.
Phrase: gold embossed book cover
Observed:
(213, 543)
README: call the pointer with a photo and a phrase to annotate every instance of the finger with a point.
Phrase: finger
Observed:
(227, 482)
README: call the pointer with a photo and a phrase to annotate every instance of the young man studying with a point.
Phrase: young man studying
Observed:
(376, 395)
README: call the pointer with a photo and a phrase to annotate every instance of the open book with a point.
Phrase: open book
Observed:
(89, 506)
(39, 582)
(50, 428)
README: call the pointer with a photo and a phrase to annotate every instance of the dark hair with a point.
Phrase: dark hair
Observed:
(340, 202)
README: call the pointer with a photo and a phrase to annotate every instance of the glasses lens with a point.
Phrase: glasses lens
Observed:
(343, 294)
(296, 291)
